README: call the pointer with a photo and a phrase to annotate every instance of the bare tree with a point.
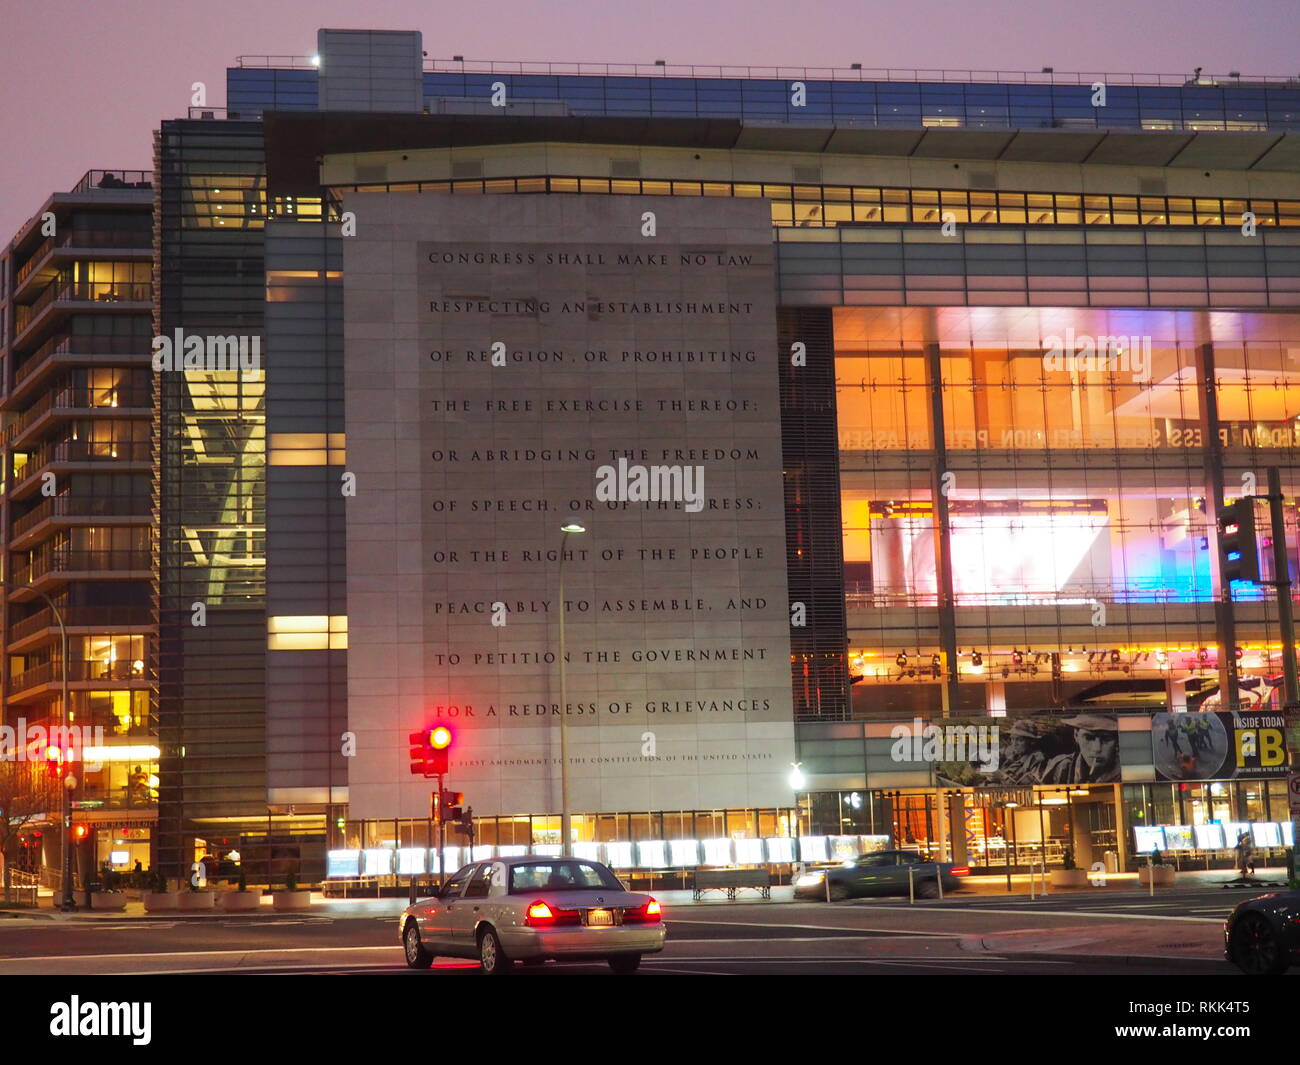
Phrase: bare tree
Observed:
(28, 792)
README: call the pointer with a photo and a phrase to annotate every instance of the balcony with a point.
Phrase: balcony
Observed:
(28, 684)
(62, 351)
(107, 295)
(73, 401)
(131, 244)
(118, 619)
(64, 564)
(70, 506)
(38, 257)
(132, 455)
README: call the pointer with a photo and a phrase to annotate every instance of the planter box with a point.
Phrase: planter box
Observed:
(195, 900)
(160, 900)
(1164, 874)
(291, 900)
(107, 901)
(240, 901)
(1068, 878)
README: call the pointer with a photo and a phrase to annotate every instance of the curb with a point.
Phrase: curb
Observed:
(1178, 962)
(976, 945)
(178, 915)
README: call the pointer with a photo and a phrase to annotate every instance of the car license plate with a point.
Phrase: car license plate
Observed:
(600, 918)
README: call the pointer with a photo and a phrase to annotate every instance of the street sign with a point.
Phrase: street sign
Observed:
(1293, 791)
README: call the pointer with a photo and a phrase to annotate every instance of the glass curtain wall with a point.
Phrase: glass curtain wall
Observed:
(1075, 447)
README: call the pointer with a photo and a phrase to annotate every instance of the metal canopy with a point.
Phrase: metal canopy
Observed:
(296, 142)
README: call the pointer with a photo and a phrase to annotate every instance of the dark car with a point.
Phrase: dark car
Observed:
(1262, 935)
(881, 873)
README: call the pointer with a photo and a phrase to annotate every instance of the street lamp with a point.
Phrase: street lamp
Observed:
(570, 527)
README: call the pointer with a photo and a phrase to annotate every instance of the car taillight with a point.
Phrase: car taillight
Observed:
(961, 870)
(540, 915)
(650, 913)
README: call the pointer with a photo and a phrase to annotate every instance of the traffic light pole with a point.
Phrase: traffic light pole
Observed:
(442, 834)
(1282, 582)
(1286, 622)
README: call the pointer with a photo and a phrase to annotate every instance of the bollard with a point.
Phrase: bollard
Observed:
(911, 887)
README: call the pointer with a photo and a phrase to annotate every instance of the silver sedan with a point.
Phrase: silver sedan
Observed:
(531, 909)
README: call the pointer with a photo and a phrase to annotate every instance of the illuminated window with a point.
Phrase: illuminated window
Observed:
(307, 449)
(307, 632)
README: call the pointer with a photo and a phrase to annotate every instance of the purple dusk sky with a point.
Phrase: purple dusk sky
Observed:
(84, 85)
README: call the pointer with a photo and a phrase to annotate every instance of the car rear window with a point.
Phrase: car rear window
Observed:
(561, 876)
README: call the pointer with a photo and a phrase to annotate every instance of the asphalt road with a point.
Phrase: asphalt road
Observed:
(884, 937)
(1210, 904)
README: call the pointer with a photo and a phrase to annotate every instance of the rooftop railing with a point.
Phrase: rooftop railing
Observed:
(112, 180)
(856, 72)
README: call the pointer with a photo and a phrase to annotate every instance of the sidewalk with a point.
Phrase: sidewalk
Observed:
(1184, 880)
(983, 885)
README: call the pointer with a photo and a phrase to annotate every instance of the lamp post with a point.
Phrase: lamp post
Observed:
(797, 782)
(572, 526)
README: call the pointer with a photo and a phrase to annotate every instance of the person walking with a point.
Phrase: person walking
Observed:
(1245, 856)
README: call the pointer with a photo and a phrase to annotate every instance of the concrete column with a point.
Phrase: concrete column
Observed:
(940, 824)
(957, 821)
(1121, 827)
(939, 485)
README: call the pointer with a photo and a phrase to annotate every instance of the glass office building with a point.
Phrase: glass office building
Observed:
(1048, 339)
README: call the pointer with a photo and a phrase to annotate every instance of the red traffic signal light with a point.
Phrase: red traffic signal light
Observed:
(80, 831)
(429, 751)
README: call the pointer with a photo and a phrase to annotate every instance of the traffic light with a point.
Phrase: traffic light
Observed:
(439, 748)
(1238, 550)
(419, 752)
(429, 751)
(80, 831)
(451, 805)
